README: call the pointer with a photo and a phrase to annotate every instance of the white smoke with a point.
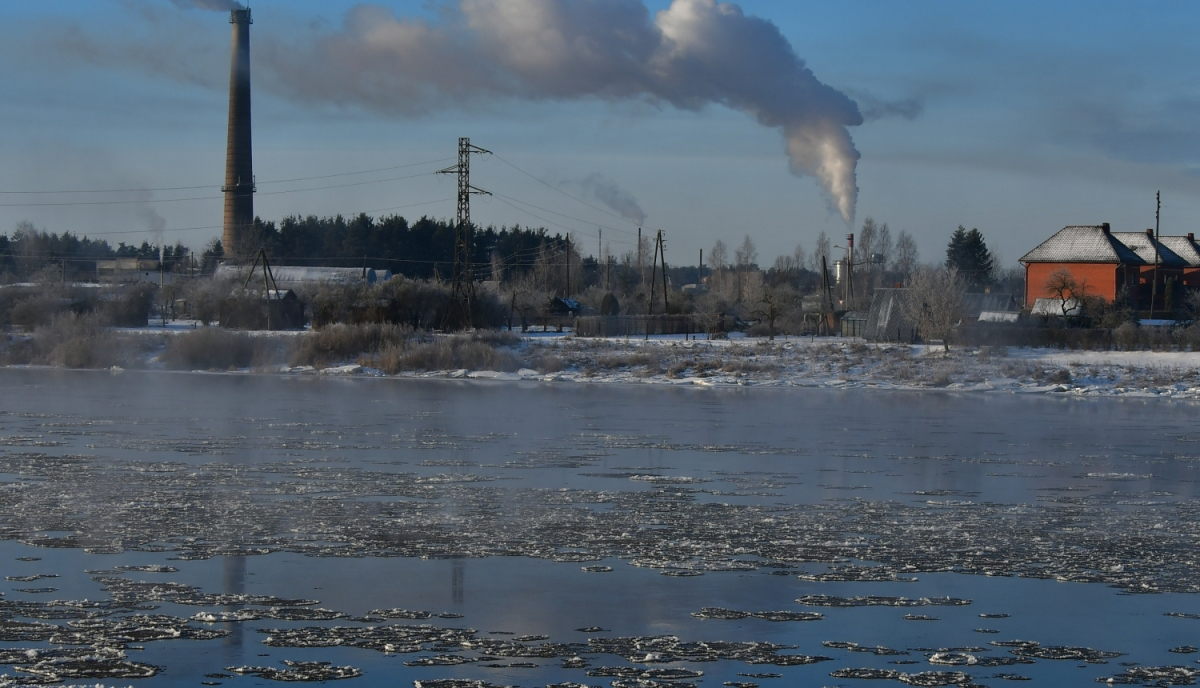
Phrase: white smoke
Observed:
(610, 194)
(216, 5)
(690, 55)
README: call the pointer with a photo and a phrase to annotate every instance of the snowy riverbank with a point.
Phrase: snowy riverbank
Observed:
(831, 362)
(834, 363)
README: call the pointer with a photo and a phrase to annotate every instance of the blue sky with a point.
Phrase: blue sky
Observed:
(1015, 117)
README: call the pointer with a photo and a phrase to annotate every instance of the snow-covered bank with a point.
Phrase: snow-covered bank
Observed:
(836, 363)
(830, 362)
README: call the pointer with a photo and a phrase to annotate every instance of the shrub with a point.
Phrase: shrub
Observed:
(215, 348)
(339, 343)
(81, 341)
(443, 353)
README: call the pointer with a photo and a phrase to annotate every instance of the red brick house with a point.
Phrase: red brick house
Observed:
(1090, 253)
(1108, 260)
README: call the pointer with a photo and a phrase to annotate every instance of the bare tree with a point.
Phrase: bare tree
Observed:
(866, 240)
(718, 257)
(773, 303)
(785, 266)
(1069, 292)
(934, 302)
(821, 253)
(746, 255)
(800, 257)
(907, 258)
(883, 245)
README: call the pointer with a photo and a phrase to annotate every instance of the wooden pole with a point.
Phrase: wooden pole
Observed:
(662, 255)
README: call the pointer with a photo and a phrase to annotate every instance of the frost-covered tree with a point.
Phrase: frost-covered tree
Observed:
(821, 252)
(934, 303)
(907, 257)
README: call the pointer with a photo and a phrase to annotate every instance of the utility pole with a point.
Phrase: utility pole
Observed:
(653, 274)
(568, 266)
(700, 274)
(641, 271)
(1154, 287)
(662, 255)
(459, 313)
(849, 272)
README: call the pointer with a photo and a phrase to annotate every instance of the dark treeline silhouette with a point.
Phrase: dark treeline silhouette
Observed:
(420, 249)
(30, 250)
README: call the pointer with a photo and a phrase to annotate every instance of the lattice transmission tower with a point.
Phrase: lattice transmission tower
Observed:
(460, 313)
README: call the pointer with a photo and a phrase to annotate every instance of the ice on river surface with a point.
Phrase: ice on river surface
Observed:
(234, 530)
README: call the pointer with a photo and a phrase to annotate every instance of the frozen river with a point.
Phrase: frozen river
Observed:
(533, 534)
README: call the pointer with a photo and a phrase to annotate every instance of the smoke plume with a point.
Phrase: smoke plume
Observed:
(156, 223)
(693, 54)
(216, 5)
(617, 199)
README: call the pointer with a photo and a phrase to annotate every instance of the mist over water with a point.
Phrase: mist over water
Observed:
(394, 504)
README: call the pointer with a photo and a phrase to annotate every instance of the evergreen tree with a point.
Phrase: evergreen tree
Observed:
(969, 254)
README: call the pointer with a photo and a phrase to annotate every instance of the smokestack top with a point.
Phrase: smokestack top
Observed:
(241, 16)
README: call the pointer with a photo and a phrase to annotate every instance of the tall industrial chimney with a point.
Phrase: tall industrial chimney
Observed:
(239, 162)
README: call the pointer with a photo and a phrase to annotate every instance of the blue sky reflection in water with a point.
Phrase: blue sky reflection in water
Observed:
(671, 480)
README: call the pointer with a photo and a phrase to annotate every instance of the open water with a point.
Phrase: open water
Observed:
(195, 529)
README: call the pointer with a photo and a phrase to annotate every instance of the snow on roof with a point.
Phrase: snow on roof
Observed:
(1143, 244)
(1082, 244)
(999, 316)
(1184, 247)
(299, 275)
(1054, 307)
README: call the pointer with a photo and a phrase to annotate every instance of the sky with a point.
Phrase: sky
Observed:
(777, 120)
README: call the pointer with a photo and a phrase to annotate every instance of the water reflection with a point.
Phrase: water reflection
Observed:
(457, 569)
(234, 569)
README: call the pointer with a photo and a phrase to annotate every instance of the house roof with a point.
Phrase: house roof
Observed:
(1184, 247)
(1082, 244)
(885, 320)
(1143, 244)
(976, 302)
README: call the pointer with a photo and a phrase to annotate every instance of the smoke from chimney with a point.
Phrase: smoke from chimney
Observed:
(610, 194)
(693, 54)
(239, 159)
(215, 5)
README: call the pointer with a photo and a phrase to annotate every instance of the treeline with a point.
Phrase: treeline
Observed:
(422, 249)
(30, 251)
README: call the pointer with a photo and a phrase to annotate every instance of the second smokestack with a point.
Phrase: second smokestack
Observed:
(239, 161)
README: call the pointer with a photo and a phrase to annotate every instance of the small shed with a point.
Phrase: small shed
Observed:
(561, 306)
(975, 303)
(249, 309)
(854, 323)
(885, 319)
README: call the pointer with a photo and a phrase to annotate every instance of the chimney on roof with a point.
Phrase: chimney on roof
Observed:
(1191, 236)
(1105, 227)
(1150, 233)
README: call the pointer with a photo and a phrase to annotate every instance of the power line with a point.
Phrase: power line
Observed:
(209, 186)
(574, 198)
(206, 198)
